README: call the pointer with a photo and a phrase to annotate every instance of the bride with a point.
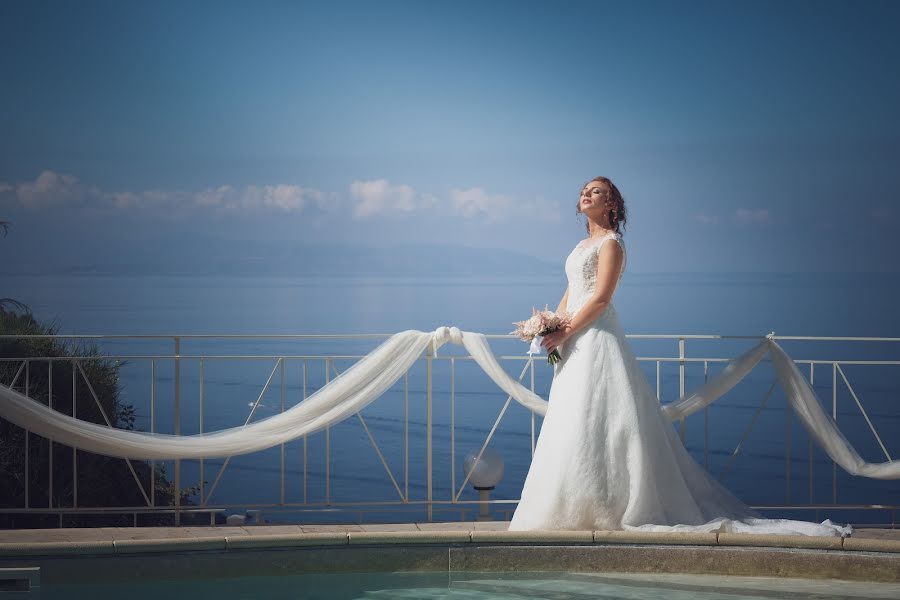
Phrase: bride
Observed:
(606, 457)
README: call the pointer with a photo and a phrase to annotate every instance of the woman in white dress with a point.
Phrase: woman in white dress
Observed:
(606, 457)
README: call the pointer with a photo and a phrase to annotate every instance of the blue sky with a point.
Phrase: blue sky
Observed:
(745, 136)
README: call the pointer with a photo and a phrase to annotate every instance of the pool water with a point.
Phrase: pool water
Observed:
(482, 586)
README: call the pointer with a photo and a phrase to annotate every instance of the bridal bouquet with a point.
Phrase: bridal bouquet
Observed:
(540, 324)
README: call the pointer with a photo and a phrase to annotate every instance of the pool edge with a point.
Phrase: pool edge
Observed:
(873, 560)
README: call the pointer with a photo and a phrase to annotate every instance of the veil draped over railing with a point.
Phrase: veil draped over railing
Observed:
(376, 372)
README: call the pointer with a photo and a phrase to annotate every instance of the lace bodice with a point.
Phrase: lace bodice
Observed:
(581, 269)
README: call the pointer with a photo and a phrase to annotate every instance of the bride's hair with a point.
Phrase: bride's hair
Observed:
(615, 205)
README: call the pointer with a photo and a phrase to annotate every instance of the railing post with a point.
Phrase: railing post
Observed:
(305, 444)
(658, 382)
(50, 442)
(74, 449)
(327, 441)
(153, 430)
(812, 384)
(282, 445)
(706, 421)
(453, 428)
(787, 455)
(406, 436)
(834, 416)
(429, 359)
(681, 382)
(177, 429)
(533, 440)
(202, 392)
(27, 479)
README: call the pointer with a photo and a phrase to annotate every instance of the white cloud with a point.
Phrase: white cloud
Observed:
(707, 219)
(379, 196)
(213, 196)
(367, 199)
(282, 198)
(162, 197)
(125, 199)
(744, 215)
(54, 189)
(429, 201)
(287, 198)
(51, 189)
(476, 202)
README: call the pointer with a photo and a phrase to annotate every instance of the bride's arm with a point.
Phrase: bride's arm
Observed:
(609, 265)
(563, 304)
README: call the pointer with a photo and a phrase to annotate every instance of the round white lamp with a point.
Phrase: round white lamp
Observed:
(486, 473)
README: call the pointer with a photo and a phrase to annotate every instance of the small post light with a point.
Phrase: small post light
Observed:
(486, 473)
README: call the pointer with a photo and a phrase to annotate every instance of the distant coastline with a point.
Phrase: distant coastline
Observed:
(229, 258)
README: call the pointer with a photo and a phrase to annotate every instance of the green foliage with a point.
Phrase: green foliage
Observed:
(89, 388)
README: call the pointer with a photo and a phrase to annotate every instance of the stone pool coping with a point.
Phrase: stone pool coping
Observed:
(868, 555)
(109, 540)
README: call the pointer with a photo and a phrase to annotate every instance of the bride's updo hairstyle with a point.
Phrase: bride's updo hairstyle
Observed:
(615, 205)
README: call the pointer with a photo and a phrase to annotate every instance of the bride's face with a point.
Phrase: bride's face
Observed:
(592, 198)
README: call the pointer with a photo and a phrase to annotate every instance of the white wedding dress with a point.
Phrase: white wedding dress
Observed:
(606, 457)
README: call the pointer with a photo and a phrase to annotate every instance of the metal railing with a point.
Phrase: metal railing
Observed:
(405, 501)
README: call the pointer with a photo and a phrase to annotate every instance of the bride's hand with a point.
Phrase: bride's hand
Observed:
(553, 340)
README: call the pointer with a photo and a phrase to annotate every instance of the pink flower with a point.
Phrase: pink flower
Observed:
(541, 323)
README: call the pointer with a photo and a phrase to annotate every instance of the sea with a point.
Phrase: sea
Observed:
(748, 439)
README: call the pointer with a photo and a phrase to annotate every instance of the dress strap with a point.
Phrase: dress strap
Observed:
(597, 241)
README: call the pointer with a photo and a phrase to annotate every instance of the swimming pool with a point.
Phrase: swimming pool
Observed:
(481, 586)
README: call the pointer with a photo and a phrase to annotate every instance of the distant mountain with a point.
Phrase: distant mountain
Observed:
(192, 255)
